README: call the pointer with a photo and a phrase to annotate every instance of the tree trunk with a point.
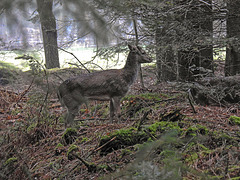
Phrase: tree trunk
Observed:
(166, 67)
(49, 33)
(232, 64)
(200, 20)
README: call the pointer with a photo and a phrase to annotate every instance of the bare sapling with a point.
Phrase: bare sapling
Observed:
(109, 85)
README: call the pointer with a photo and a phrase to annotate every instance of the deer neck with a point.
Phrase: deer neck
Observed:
(131, 68)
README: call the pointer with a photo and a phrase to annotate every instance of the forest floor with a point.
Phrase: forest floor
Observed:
(159, 136)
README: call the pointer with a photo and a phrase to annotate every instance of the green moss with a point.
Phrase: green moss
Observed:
(129, 136)
(152, 96)
(122, 138)
(191, 157)
(51, 164)
(203, 148)
(163, 126)
(194, 150)
(69, 131)
(82, 110)
(59, 146)
(168, 153)
(10, 161)
(234, 168)
(235, 120)
(190, 146)
(102, 166)
(31, 127)
(196, 130)
(71, 149)
(125, 132)
(223, 137)
(154, 127)
(84, 139)
(235, 178)
(125, 152)
(69, 135)
(145, 96)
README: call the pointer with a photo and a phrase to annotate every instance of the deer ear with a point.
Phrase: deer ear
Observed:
(130, 47)
(139, 48)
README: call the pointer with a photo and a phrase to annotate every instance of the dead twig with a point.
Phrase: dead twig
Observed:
(91, 119)
(190, 99)
(105, 144)
(76, 59)
(143, 119)
(24, 92)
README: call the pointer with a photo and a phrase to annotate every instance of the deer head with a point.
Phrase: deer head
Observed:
(142, 56)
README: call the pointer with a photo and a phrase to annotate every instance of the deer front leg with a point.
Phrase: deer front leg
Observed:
(69, 119)
(115, 109)
(71, 113)
(111, 110)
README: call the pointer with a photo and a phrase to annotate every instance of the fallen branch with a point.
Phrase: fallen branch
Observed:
(105, 144)
(91, 166)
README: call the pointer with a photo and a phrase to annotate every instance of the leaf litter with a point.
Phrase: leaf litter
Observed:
(32, 145)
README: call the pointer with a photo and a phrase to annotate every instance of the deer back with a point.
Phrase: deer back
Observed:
(106, 84)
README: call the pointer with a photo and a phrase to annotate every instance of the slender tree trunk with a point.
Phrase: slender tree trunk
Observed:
(158, 54)
(137, 41)
(49, 33)
(232, 64)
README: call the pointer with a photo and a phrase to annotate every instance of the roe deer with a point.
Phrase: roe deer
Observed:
(109, 85)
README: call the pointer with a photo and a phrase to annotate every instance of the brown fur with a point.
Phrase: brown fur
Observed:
(109, 85)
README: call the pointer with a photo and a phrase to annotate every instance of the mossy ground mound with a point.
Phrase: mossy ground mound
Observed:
(8, 73)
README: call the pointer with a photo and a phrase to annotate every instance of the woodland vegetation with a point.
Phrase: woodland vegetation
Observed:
(180, 119)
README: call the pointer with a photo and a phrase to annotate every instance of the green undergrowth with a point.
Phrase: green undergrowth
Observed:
(146, 96)
(131, 136)
(69, 136)
(9, 66)
(122, 138)
(10, 161)
(171, 143)
(159, 146)
(235, 120)
(135, 104)
(8, 73)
